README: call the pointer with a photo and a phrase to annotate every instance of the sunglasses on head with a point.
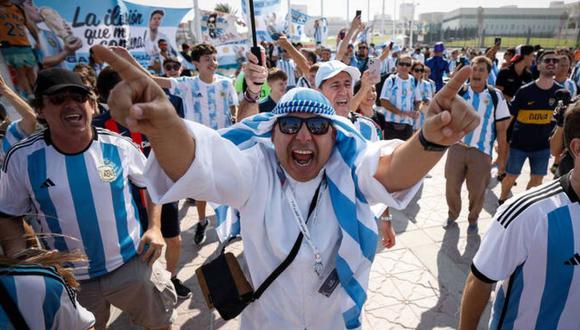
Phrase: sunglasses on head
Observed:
(551, 60)
(407, 64)
(315, 125)
(58, 99)
(172, 67)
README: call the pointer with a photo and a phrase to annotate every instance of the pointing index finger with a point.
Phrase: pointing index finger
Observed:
(125, 69)
(454, 84)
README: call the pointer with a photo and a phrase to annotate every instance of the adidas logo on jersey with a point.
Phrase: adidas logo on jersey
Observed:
(574, 261)
(48, 183)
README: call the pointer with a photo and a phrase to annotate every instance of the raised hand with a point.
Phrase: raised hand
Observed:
(254, 73)
(449, 117)
(137, 102)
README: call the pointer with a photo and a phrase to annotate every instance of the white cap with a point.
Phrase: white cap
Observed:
(329, 69)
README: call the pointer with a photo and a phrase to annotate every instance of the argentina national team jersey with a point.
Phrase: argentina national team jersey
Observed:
(289, 67)
(365, 126)
(570, 86)
(13, 135)
(483, 137)
(533, 248)
(207, 104)
(43, 299)
(402, 94)
(83, 199)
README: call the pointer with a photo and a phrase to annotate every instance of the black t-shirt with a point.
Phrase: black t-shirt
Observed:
(533, 110)
(267, 105)
(509, 80)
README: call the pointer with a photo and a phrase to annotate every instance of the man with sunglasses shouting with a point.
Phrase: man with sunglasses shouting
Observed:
(298, 169)
(76, 179)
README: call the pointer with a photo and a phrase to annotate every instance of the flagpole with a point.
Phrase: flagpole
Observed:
(321, 8)
(197, 21)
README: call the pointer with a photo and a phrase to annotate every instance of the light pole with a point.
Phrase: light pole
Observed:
(197, 22)
(321, 8)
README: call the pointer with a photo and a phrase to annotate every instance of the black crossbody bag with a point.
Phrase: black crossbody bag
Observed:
(224, 285)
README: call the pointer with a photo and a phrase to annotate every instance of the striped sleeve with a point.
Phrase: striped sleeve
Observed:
(14, 197)
(386, 91)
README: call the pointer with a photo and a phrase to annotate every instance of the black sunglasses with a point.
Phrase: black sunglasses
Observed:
(291, 124)
(419, 70)
(58, 99)
(407, 64)
(174, 67)
(552, 60)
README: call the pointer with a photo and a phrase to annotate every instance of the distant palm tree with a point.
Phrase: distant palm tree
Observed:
(225, 8)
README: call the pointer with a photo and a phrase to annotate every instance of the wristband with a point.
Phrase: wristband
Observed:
(430, 146)
(386, 218)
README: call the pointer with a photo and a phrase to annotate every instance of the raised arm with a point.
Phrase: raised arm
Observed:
(295, 54)
(354, 26)
(28, 122)
(449, 118)
(253, 73)
(141, 105)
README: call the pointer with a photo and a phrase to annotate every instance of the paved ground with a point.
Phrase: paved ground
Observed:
(415, 285)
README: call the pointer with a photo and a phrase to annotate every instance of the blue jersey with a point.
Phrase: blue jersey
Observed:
(85, 198)
(402, 93)
(43, 298)
(532, 247)
(438, 67)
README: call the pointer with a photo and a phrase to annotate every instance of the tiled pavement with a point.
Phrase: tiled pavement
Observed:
(415, 285)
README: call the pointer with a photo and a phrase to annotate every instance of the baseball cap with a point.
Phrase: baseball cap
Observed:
(521, 51)
(330, 69)
(439, 47)
(50, 81)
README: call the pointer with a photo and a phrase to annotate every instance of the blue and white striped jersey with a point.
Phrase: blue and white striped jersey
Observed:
(533, 248)
(388, 65)
(426, 90)
(402, 94)
(13, 135)
(570, 86)
(85, 197)
(483, 137)
(576, 75)
(493, 74)
(43, 299)
(289, 67)
(207, 104)
(367, 128)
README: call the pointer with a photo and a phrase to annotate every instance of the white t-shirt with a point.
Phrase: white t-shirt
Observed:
(402, 93)
(86, 197)
(207, 104)
(484, 135)
(248, 181)
(43, 299)
(533, 248)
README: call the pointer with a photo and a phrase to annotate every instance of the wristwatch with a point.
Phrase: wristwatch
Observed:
(386, 218)
(430, 146)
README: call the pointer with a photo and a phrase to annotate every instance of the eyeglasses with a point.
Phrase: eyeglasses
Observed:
(407, 64)
(551, 60)
(173, 67)
(419, 70)
(291, 124)
(58, 99)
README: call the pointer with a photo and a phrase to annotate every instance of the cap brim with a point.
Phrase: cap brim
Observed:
(56, 88)
(352, 71)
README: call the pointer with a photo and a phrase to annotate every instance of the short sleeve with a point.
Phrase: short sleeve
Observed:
(502, 112)
(181, 86)
(515, 103)
(386, 91)
(504, 246)
(136, 162)
(14, 195)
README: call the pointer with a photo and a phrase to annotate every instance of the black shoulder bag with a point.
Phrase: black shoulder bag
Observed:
(224, 285)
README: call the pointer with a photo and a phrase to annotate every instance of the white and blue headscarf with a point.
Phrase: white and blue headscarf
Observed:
(356, 220)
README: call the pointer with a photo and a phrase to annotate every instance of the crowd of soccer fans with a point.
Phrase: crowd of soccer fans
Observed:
(72, 171)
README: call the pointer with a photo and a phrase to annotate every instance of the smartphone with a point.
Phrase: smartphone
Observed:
(391, 44)
(497, 41)
(375, 68)
(358, 13)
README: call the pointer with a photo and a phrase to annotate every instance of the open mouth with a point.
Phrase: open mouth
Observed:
(73, 118)
(341, 102)
(302, 158)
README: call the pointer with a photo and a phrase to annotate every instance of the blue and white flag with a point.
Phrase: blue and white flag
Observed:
(320, 30)
(218, 28)
(268, 18)
(364, 35)
(296, 21)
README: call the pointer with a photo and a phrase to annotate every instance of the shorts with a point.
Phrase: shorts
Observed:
(538, 161)
(145, 293)
(19, 57)
(398, 131)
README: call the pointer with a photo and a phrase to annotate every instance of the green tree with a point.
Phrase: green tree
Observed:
(225, 8)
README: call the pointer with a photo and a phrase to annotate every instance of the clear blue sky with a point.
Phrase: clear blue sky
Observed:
(337, 8)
